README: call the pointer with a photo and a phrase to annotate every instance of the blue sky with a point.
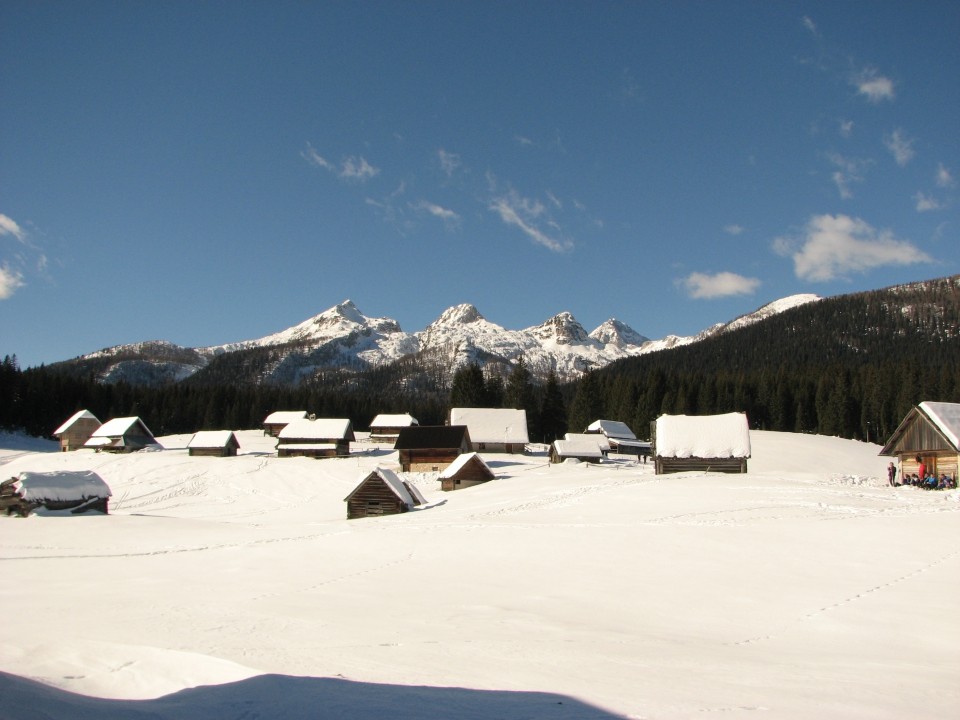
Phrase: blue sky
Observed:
(213, 172)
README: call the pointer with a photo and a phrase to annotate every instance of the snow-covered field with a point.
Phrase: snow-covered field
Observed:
(236, 588)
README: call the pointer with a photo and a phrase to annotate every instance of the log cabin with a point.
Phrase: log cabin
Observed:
(121, 435)
(213, 443)
(493, 430)
(466, 471)
(382, 492)
(76, 430)
(707, 443)
(930, 432)
(316, 438)
(277, 421)
(386, 428)
(431, 448)
(77, 491)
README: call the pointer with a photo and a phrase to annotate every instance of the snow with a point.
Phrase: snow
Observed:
(235, 587)
(612, 429)
(458, 464)
(395, 483)
(116, 427)
(392, 421)
(578, 446)
(703, 436)
(946, 416)
(492, 425)
(319, 429)
(62, 486)
(284, 416)
(210, 439)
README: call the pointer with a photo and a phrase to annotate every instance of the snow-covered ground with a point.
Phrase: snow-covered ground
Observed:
(236, 588)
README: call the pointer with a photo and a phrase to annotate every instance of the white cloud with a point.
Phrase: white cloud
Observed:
(926, 203)
(9, 227)
(449, 162)
(528, 215)
(846, 128)
(10, 281)
(521, 140)
(944, 178)
(809, 24)
(353, 168)
(833, 246)
(733, 229)
(875, 87)
(445, 214)
(851, 171)
(702, 286)
(900, 147)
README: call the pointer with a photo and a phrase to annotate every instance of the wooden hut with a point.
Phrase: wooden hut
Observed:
(930, 431)
(277, 421)
(77, 430)
(467, 470)
(76, 491)
(382, 492)
(578, 446)
(708, 443)
(316, 438)
(431, 448)
(386, 428)
(494, 430)
(121, 435)
(620, 437)
(213, 443)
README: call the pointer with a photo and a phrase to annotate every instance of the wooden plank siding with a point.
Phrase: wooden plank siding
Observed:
(374, 498)
(675, 465)
(919, 436)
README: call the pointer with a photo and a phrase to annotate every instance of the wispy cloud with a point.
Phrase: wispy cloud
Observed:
(448, 216)
(530, 217)
(850, 170)
(833, 246)
(809, 24)
(9, 227)
(944, 177)
(900, 147)
(10, 281)
(846, 128)
(521, 140)
(702, 286)
(925, 203)
(873, 86)
(449, 162)
(734, 229)
(353, 168)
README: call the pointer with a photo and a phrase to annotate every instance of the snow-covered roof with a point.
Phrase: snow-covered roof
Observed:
(703, 436)
(63, 486)
(492, 425)
(612, 429)
(211, 439)
(408, 493)
(79, 415)
(404, 420)
(458, 464)
(119, 426)
(595, 438)
(319, 429)
(946, 416)
(284, 416)
(309, 446)
(579, 446)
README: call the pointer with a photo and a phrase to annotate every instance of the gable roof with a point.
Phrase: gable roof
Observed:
(79, 415)
(212, 439)
(423, 437)
(703, 436)
(612, 429)
(406, 492)
(383, 420)
(461, 462)
(319, 429)
(597, 439)
(284, 416)
(943, 418)
(492, 425)
(579, 446)
(120, 426)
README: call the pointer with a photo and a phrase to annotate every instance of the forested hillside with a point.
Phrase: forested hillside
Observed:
(850, 366)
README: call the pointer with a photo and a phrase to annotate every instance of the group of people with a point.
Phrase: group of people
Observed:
(922, 478)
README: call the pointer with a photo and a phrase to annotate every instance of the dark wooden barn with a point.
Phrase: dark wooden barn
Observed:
(431, 448)
(76, 491)
(930, 431)
(466, 471)
(382, 492)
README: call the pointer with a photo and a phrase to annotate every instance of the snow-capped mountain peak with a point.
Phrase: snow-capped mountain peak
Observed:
(562, 329)
(614, 332)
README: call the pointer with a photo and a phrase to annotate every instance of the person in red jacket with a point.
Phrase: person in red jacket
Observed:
(922, 470)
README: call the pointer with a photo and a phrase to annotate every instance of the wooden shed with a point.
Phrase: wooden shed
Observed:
(121, 435)
(930, 431)
(76, 491)
(467, 470)
(382, 492)
(578, 446)
(494, 430)
(707, 443)
(277, 421)
(386, 428)
(77, 430)
(620, 437)
(431, 448)
(213, 443)
(316, 438)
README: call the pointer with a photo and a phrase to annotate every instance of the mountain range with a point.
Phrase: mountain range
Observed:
(342, 337)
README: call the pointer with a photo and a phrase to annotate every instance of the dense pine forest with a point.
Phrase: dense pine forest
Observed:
(850, 366)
